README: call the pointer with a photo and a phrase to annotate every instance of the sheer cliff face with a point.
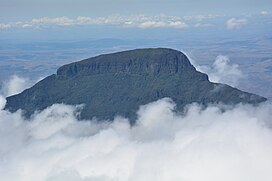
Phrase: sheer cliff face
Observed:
(117, 84)
(142, 61)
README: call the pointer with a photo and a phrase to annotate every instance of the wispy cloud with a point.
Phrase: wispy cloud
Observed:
(60, 21)
(5, 26)
(201, 17)
(137, 21)
(140, 21)
(203, 25)
(161, 24)
(234, 23)
(264, 13)
(222, 71)
(16, 84)
(18, 24)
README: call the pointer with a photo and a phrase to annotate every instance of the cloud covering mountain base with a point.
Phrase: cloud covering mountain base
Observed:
(198, 145)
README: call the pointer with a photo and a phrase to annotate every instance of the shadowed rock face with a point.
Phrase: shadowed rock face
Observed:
(141, 62)
(118, 83)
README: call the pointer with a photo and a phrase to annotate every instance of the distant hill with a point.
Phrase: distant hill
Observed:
(118, 83)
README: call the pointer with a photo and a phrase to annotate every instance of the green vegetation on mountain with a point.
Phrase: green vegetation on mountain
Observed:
(118, 83)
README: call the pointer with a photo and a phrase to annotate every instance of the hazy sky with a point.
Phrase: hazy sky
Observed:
(13, 9)
(81, 19)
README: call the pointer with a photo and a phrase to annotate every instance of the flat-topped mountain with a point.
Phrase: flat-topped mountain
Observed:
(118, 83)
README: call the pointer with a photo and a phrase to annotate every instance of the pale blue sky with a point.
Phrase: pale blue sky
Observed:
(24, 9)
(73, 19)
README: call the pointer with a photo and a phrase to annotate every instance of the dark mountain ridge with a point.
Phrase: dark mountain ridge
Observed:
(118, 83)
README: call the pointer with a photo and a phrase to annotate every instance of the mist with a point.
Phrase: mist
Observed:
(199, 144)
(222, 70)
(16, 84)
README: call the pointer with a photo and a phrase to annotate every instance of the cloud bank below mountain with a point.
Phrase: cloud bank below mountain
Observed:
(198, 145)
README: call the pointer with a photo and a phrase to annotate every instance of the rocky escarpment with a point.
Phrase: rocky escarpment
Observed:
(142, 61)
(118, 83)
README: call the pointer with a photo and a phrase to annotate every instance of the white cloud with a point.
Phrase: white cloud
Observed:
(222, 71)
(26, 25)
(5, 26)
(84, 20)
(59, 21)
(264, 13)
(138, 21)
(2, 102)
(201, 17)
(204, 25)
(16, 84)
(161, 24)
(18, 24)
(201, 145)
(234, 23)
